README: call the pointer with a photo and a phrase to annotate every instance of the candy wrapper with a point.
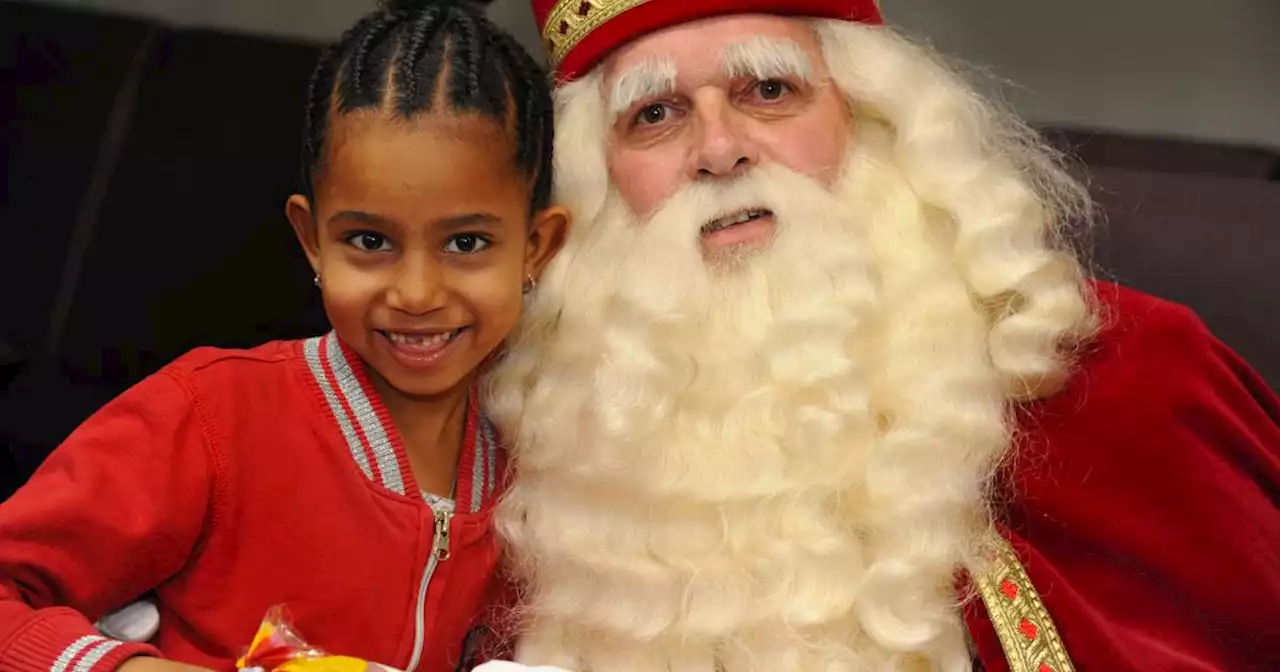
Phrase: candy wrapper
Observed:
(279, 648)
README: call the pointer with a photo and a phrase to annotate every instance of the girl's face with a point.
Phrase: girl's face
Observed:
(421, 238)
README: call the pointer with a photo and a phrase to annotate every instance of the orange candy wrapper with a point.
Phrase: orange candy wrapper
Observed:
(278, 648)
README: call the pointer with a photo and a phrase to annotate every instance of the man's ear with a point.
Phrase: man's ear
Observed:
(298, 210)
(548, 230)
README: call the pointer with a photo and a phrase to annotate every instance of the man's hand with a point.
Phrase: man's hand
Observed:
(157, 665)
(507, 666)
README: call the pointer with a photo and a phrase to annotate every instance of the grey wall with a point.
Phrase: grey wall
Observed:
(1178, 67)
(1188, 68)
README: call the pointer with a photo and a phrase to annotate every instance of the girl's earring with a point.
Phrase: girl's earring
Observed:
(316, 280)
(530, 284)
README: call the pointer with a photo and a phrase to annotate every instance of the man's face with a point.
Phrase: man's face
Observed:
(710, 99)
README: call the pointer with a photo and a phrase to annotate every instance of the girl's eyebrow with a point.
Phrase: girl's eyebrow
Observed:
(448, 221)
(359, 217)
(465, 220)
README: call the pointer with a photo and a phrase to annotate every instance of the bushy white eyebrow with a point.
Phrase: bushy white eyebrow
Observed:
(758, 57)
(767, 58)
(650, 78)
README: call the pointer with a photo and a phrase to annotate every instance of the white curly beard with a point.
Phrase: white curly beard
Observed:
(767, 465)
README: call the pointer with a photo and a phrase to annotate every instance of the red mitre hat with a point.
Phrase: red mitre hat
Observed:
(578, 34)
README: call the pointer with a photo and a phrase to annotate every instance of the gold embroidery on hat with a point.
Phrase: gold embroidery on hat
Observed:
(571, 21)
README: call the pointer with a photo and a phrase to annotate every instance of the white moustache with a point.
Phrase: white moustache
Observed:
(771, 187)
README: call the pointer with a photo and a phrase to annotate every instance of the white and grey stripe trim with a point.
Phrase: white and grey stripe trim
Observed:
(484, 476)
(366, 438)
(311, 351)
(371, 443)
(376, 435)
(93, 647)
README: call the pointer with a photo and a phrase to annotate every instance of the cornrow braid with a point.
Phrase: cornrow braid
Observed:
(531, 86)
(361, 92)
(414, 92)
(393, 59)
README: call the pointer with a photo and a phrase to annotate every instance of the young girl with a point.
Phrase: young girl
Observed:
(348, 477)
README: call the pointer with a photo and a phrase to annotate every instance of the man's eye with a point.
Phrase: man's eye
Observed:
(367, 241)
(466, 243)
(772, 89)
(652, 114)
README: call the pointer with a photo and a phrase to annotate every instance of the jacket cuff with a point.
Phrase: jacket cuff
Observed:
(62, 640)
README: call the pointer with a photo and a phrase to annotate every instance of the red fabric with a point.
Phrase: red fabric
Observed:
(657, 14)
(224, 484)
(1144, 502)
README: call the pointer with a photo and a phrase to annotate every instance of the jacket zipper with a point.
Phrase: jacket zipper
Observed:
(439, 552)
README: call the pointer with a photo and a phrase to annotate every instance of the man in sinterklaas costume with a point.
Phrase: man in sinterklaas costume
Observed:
(820, 383)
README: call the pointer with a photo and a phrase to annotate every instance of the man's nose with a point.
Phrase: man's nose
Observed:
(418, 286)
(722, 147)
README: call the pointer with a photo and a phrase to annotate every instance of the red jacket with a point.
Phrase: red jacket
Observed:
(1143, 505)
(234, 480)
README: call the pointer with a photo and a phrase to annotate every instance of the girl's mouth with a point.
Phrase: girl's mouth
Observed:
(420, 350)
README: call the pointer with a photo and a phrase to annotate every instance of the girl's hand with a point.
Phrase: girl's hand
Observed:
(141, 664)
(161, 665)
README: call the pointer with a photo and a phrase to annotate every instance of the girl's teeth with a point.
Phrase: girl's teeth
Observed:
(420, 340)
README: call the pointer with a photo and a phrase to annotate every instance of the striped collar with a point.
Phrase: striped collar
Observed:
(372, 438)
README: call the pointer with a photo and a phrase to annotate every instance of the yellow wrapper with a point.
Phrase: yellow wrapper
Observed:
(277, 648)
(325, 664)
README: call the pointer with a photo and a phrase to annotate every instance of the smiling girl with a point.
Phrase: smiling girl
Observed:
(349, 476)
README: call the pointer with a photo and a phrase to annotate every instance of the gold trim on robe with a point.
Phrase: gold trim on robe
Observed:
(1028, 636)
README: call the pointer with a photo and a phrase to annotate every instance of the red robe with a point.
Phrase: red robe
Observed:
(1143, 505)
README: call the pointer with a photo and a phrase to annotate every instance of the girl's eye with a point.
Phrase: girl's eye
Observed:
(772, 89)
(466, 243)
(368, 241)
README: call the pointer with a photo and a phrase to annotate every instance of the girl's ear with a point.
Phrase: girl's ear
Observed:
(298, 210)
(548, 230)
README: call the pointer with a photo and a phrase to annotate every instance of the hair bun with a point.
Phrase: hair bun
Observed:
(391, 6)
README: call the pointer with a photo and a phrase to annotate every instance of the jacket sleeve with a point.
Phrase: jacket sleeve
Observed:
(113, 512)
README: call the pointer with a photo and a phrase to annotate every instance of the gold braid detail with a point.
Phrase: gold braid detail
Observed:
(571, 21)
(1027, 634)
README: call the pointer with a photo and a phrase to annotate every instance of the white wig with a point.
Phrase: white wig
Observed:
(787, 470)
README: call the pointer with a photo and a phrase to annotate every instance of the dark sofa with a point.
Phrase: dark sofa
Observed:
(147, 169)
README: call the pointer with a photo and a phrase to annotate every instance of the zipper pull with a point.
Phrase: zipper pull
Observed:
(441, 544)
